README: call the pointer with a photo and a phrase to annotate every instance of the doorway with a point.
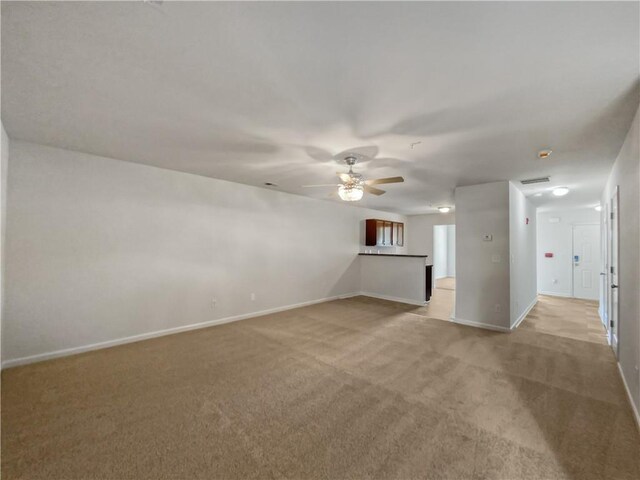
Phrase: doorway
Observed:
(444, 257)
(586, 262)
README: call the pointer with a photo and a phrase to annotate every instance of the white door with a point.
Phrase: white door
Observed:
(613, 273)
(586, 261)
(604, 262)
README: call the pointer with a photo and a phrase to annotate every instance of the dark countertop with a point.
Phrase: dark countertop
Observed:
(392, 255)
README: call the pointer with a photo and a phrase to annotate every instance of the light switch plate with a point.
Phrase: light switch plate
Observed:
(487, 237)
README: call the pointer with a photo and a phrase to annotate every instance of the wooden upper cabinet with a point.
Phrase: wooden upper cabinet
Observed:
(383, 233)
(398, 234)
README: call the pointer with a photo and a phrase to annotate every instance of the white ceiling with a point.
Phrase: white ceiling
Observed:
(266, 92)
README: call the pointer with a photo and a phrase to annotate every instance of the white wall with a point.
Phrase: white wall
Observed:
(451, 250)
(522, 261)
(555, 275)
(420, 231)
(482, 284)
(99, 250)
(440, 251)
(4, 163)
(625, 173)
(444, 251)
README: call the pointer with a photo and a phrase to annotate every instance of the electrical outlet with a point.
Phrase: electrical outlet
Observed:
(498, 308)
(214, 303)
(554, 281)
(253, 297)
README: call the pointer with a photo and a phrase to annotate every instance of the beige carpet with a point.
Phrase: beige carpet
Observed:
(352, 389)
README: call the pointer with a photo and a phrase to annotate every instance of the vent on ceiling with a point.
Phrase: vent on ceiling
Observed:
(529, 181)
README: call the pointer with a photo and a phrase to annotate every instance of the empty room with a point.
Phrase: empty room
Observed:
(320, 240)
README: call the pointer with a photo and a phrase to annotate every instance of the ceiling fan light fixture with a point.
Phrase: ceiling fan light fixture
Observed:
(351, 193)
(444, 209)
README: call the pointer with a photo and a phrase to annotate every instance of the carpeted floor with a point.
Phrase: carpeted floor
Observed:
(355, 388)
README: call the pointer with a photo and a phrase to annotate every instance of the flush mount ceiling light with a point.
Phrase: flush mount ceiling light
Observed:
(598, 208)
(544, 154)
(351, 193)
(560, 191)
(537, 194)
(444, 209)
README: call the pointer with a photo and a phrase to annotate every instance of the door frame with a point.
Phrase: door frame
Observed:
(614, 339)
(604, 264)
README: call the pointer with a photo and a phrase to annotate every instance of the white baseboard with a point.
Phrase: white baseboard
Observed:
(555, 294)
(524, 314)
(393, 299)
(633, 405)
(160, 333)
(472, 323)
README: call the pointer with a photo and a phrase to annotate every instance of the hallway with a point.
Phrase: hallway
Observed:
(566, 317)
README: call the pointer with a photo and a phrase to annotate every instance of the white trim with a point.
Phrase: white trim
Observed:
(487, 326)
(555, 294)
(633, 405)
(393, 299)
(602, 318)
(524, 314)
(160, 333)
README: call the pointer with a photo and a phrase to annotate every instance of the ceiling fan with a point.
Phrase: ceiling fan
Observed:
(354, 185)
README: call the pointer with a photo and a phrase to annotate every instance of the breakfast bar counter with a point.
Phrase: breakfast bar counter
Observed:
(396, 277)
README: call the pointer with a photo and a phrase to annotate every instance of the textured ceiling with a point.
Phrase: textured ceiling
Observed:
(267, 92)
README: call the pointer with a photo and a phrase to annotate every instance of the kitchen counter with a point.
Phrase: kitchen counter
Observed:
(401, 278)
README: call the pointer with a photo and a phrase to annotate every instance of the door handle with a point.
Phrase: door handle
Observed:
(614, 286)
(602, 273)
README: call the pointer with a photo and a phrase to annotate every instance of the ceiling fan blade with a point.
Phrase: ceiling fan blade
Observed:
(380, 181)
(373, 190)
(345, 177)
(325, 185)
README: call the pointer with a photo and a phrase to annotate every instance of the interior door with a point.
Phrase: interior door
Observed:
(604, 276)
(586, 261)
(613, 272)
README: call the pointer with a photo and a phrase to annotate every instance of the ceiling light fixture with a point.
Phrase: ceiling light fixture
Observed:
(560, 191)
(598, 208)
(351, 193)
(444, 209)
(537, 194)
(544, 154)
